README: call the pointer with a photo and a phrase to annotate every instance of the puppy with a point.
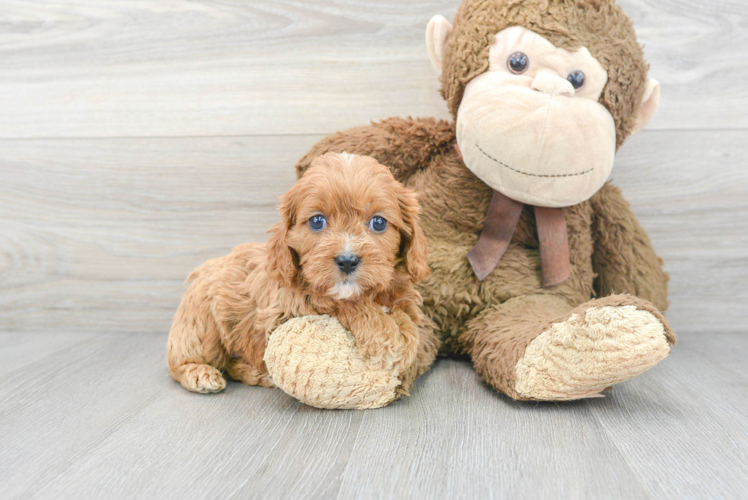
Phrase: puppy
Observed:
(349, 245)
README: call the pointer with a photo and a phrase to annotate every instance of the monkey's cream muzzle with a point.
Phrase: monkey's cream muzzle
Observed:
(532, 140)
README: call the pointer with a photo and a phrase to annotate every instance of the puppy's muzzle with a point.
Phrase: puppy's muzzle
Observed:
(347, 262)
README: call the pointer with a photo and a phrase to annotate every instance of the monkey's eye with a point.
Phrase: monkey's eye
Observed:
(378, 224)
(577, 79)
(317, 223)
(518, 62)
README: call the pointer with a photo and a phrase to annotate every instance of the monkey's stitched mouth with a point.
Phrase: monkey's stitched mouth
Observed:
(528, 173)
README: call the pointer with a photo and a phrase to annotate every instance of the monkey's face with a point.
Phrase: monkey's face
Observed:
(531, 127)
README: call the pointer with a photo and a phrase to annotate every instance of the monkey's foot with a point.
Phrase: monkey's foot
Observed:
(602, 343)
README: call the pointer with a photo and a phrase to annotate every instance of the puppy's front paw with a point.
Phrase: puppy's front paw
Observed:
(388, 340)
(392, 342)
(379, 340)
(408, 339)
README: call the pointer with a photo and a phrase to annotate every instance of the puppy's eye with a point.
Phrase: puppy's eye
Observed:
(317, 223)
(378, 224)
(518, 62)
(577, 79)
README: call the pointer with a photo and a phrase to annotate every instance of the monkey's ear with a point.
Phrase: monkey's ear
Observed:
(648, 107)
(437, 33)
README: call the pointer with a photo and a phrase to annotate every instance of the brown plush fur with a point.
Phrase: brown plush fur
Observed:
(236, 301)
(495, 320)
(610, 251)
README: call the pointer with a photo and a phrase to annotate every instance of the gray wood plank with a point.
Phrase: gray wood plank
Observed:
(248, 442)
(684, 426)
(98, 235)
(687, 44)
(457, 438)
(28, 348)
(114, 69)
(61, 409)
(690, 190)
(103, 419)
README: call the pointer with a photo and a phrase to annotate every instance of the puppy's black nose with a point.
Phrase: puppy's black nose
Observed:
(347, 262)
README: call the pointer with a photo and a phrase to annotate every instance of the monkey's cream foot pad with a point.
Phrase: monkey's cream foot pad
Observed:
(316, 360)
(591, 351)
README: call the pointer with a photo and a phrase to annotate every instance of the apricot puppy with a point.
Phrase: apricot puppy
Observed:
(349, 245)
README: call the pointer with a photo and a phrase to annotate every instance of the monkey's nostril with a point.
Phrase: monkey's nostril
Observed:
(347, 262)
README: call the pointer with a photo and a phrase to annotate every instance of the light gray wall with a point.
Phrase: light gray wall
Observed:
(138, 139)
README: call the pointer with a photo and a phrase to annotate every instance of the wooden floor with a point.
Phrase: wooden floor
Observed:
(140, 138)
(97, 416)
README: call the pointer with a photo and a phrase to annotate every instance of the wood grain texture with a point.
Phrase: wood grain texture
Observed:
(458, 438)
(54, 412)
(19, 349)
(247, 443)
(99, 235)
(664, 422)
(139, 139)
(103, 419)
(193, 68)
(690, 190)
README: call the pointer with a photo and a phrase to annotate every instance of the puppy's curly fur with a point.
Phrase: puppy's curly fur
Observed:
(235, 302)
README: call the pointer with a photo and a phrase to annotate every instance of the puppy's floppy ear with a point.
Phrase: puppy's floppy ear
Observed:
(281, 259)
(413, 247)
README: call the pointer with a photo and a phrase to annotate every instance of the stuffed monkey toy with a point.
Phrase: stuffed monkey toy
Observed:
(541, 273)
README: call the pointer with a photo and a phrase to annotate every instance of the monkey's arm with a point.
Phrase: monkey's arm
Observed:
(624, 259)
(403, 144)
